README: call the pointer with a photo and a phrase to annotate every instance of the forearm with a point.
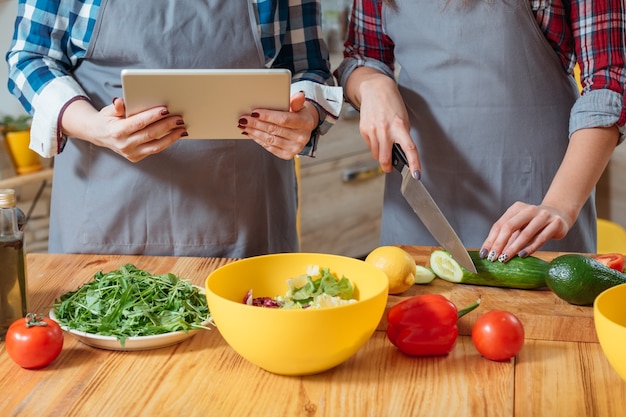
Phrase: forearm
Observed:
(78, 120)
(364, 80)
(587, 156)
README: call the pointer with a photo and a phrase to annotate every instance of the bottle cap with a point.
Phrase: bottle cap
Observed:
(7, 198)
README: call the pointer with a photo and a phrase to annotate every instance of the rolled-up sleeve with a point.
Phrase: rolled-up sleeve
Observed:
(598, 108)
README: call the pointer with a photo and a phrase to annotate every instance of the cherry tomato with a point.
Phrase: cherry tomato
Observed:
(34, 341)
(498, 335)
(612, 260)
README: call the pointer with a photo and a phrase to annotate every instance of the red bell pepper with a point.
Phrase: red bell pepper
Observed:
(425, 325)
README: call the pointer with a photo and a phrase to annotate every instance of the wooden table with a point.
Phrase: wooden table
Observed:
(203, 376)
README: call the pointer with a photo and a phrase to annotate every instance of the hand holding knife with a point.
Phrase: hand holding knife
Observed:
(429, 213)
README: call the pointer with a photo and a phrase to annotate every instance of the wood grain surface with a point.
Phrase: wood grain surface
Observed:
(203, 376)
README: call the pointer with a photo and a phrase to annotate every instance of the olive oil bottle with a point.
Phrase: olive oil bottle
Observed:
(13, 295)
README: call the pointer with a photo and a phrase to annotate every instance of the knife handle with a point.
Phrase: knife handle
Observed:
(398, 158)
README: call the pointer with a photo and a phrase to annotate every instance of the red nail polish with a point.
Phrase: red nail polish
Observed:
(113, 101)
(184, 134)
(180, 122)
(243, 121)
(165, 112)
(244, 133)
(255, 114)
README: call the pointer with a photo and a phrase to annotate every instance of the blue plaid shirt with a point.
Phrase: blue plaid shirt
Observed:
(51, 37)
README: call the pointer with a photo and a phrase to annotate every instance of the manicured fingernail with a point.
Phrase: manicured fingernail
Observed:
(492, 256)
(113, 101)
(503, 257)
(255, 114)
(165, 112)
(180, 122)
(243, 121)
(417, 174)
(483, 253)
(523, 253)
(184, 134)
(244, 133)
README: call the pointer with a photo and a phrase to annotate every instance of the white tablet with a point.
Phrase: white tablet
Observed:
(210, 100)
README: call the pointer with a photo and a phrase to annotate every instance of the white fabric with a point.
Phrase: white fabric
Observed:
(43, 131)
(329, 98)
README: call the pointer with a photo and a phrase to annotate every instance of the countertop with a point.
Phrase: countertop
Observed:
(554, 375)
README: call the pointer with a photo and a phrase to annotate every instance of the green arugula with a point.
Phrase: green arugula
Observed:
(131, 302)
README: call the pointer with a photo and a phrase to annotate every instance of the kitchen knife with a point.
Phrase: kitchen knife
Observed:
(426, 209)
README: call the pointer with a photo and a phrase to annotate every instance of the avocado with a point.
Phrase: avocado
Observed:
(579, 279)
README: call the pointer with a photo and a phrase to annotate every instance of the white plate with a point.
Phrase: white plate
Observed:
(131, 343)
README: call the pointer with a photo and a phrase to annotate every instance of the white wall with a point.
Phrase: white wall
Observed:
(8, 103)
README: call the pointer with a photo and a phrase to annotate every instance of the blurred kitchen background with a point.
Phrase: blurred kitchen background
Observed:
(343, 176)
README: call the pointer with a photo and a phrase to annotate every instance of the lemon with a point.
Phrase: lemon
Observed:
(397, 264)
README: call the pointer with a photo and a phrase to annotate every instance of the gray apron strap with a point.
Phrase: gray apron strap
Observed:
(489, 105)
(226, 198)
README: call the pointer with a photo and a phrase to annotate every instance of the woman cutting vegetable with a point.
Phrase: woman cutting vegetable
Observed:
(486, 108)
(129, 185)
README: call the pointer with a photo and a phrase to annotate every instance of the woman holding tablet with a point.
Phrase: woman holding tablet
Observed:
(131, 185)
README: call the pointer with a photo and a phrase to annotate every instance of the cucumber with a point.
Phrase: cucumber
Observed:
(423, 275)
(579, 279)
(522, 273)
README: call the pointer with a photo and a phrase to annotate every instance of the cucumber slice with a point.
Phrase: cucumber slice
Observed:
(423, 275)
(445, 267)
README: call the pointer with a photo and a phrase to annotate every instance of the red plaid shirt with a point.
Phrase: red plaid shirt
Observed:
(591, 33)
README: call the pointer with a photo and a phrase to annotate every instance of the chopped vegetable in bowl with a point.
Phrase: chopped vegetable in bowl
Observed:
(131, 302)
(317, 288)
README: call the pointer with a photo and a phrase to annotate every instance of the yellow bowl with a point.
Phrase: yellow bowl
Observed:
(294, 342)
(609, 314)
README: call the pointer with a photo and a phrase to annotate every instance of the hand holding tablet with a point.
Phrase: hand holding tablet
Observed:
(210, 100)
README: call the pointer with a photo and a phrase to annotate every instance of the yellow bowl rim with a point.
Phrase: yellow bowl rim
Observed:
(297, 311)
(605, 294)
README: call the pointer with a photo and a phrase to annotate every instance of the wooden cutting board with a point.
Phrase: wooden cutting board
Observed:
(544, 315)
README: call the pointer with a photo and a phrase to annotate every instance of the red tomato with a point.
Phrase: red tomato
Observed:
(498, 335)
(612, 260)
(33, 342)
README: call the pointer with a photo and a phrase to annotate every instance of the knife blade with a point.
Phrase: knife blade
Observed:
(428, 212)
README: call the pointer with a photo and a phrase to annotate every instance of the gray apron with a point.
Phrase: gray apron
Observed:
(227, 198)
(489, 105)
